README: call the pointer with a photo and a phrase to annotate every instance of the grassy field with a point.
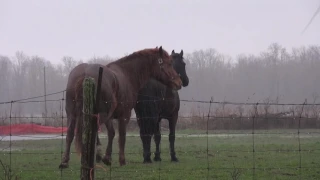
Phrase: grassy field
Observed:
(219, 156)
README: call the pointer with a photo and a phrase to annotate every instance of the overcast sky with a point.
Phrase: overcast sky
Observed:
(82, 29)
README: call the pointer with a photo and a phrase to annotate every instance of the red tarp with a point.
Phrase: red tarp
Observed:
(22, 129)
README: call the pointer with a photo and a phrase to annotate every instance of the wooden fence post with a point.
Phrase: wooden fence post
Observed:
(88, 105)
(90, 126)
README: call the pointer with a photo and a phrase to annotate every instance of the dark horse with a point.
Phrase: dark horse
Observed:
(157, 101)
(121, 81)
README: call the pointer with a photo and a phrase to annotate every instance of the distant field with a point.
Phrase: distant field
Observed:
(215, 157)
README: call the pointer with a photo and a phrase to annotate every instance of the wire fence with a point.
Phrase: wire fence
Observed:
(217, 140)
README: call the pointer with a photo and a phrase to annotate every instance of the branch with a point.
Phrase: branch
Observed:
(311, 20)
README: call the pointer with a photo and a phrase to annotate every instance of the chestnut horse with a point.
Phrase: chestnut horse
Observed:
(121, 81)
(155, 102)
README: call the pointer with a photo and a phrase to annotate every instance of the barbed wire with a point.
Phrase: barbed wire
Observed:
(208, 152)
(157, 99)
(34, 97)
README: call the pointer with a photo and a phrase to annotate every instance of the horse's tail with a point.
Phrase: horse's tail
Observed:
(79, 109)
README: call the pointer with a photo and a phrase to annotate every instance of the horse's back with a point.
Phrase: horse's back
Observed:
(80, 72)
(74, 74)
(150, 95)
(108, 85)
(153, 90)
(156, 98)
(86, 70)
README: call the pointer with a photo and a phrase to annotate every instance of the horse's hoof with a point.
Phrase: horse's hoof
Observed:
(106, 161)
(174, 159)
(63, 165)
(147, 161)
(98, 158)
(98, 155)
(157, 158)
(122, 162)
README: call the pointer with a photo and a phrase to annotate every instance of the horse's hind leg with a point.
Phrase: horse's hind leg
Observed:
(108, 121)
(98, 154)
(111, 133)
(70, 135)
(172, 135)
(157, 139)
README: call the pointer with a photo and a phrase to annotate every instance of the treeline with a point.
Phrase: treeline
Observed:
(274, 76)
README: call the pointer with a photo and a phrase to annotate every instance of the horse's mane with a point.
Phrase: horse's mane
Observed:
(150, 52)
(175, 55)
(142, 59)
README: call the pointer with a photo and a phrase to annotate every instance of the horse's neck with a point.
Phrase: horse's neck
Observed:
(137, 75)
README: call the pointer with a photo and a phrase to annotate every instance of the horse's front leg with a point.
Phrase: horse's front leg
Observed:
(157, 140)
(172, 135)
(145, 136)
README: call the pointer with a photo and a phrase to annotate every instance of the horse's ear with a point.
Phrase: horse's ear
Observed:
(172, 52)
(156, 47)
(160, 51)
(181, 53)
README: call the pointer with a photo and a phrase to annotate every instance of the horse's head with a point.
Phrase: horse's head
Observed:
(180, 66)
(164, 70)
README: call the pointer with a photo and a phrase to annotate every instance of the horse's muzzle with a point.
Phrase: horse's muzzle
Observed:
(185, 81)
(176, 83)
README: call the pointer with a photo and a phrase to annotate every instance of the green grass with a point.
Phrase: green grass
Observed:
(276, 157)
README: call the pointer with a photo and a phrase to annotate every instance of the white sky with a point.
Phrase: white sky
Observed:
(82, 29)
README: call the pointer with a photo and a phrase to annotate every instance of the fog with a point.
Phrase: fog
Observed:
(276, 75)
(244, 51)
